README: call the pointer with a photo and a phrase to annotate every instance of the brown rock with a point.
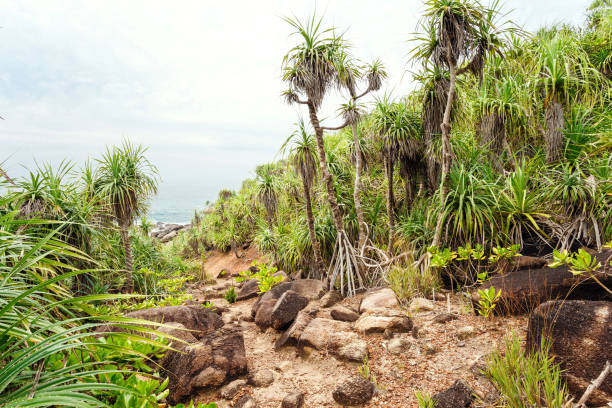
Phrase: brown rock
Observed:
(246, 402)
(292, 335)
(390, 321)
(230, 390)
(355, 391)
(294, 400)
(459, 395)
(319, 330)
(381, 298)
(218, 357)
(261, 378)
(178, 330)
(249, 289)
(445, 318)
(580, 334)
(330, 298)
(286, 309)
(344, 314)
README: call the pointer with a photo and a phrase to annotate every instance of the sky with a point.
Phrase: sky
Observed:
(197, 82)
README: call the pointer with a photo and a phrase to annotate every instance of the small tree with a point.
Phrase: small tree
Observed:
(126, 179)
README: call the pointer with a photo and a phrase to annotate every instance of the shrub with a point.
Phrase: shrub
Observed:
(230, 295)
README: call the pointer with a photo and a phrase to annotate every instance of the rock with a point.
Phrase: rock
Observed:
(261, 378)
(330, 298)
(465, 332)
(391, 321)
(348, 346)
(355, 391)
(399, 344)
(344, 314)
(230, 390)
(317, 333)
(418, 305)
(287, 308)
(168, 237)
(524, 290)
(196, 318)
(459, 395)
(445, 318)
(580, 335)
(249, 289)
(217, 358)
(522, 262)
(263, 317)
(179, 331)
(292, 335)
(382, 298)
(430, 349)
(293, 400)
(246, 402)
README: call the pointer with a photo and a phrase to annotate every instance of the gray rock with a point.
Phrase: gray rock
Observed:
(287, 308)
(317, 333)
(382, 298)
(355, 391)
(465, 332)
(399, 344)
(459, 395)
(445, 318)
(292, 335)
(330, 298)
(391, 322)
(249, 289)
(230, 390)
(261, 378)
(419, 305)
(344, 314)
(246, 402)
(294, 400)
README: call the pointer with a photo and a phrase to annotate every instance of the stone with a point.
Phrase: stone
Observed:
(263, 317)
(399, 344)
(443, 318)
(344, 314)
(382, 298)
(458, 395)
(330, 298)
(390, 322)
(246, 402)
(309, 288)
(317, 333)
(229, 391)
(419, 305)
(287, 308)
(168, 237)
(179, 331)
(217, 358)
(580, 336)
(249, 289)
(348, 346)
(465, 332)
(293, 400)
(355, 391)
(292, 335)
(429, 349)
(523, 290)
(261, 378)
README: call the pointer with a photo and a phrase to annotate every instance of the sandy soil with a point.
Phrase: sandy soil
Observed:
(397, 376)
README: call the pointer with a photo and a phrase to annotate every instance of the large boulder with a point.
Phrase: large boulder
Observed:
(355, 391)
(384, 320)
(318, 332)
(286, 309)
(292, 335)
(523, 290)
(249, 289)
(381, 298)
(458, 395)
(344, 314)
(216, 359)
(580, 335)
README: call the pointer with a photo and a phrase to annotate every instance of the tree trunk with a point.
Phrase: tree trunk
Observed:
(128, 286)
(446, 151)
(554, 130)
(493, 135)
(390, 199)
(327, 177)
(316, 247)
(363, 235)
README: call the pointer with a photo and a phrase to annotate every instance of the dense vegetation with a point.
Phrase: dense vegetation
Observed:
(505, 146)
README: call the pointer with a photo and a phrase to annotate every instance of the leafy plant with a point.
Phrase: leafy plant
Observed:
(503, 253)
(424, 399)
(264, 275)
(488, 300)
(230, 295)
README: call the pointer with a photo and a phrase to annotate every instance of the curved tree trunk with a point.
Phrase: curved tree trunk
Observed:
(390, 200)
(363, 235)
(327, 177)
(128, 286)
(316, 247)
(554, 130)
(446, 151)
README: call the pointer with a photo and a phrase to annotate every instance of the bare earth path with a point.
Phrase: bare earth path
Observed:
(440, 353)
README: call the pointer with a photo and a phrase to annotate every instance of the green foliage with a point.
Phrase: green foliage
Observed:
(526, 380)
(230, 295)
(488, 300)
(264, 275)
(424, 400)
(409, 282)
(503, 253)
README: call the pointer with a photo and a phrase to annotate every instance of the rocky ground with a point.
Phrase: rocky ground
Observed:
(448, 342)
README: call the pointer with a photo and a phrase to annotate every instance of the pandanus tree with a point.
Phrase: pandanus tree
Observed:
(224, 196)
(301, 145)
(267, 192)
(319, 63)
(126, 179)
(400, 135)
(565, 75)
(454, 38)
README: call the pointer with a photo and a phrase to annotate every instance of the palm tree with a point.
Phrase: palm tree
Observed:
(126, 180)
(225, 195)
(304, 160)
(267, 191)
(400, 134)
(565, 74)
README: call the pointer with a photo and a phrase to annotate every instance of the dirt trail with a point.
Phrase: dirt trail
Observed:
(437, 358)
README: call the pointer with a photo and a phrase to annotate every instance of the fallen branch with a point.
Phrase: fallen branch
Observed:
(594, 385)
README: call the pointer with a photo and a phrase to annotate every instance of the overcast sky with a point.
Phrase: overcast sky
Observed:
(196, 81)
